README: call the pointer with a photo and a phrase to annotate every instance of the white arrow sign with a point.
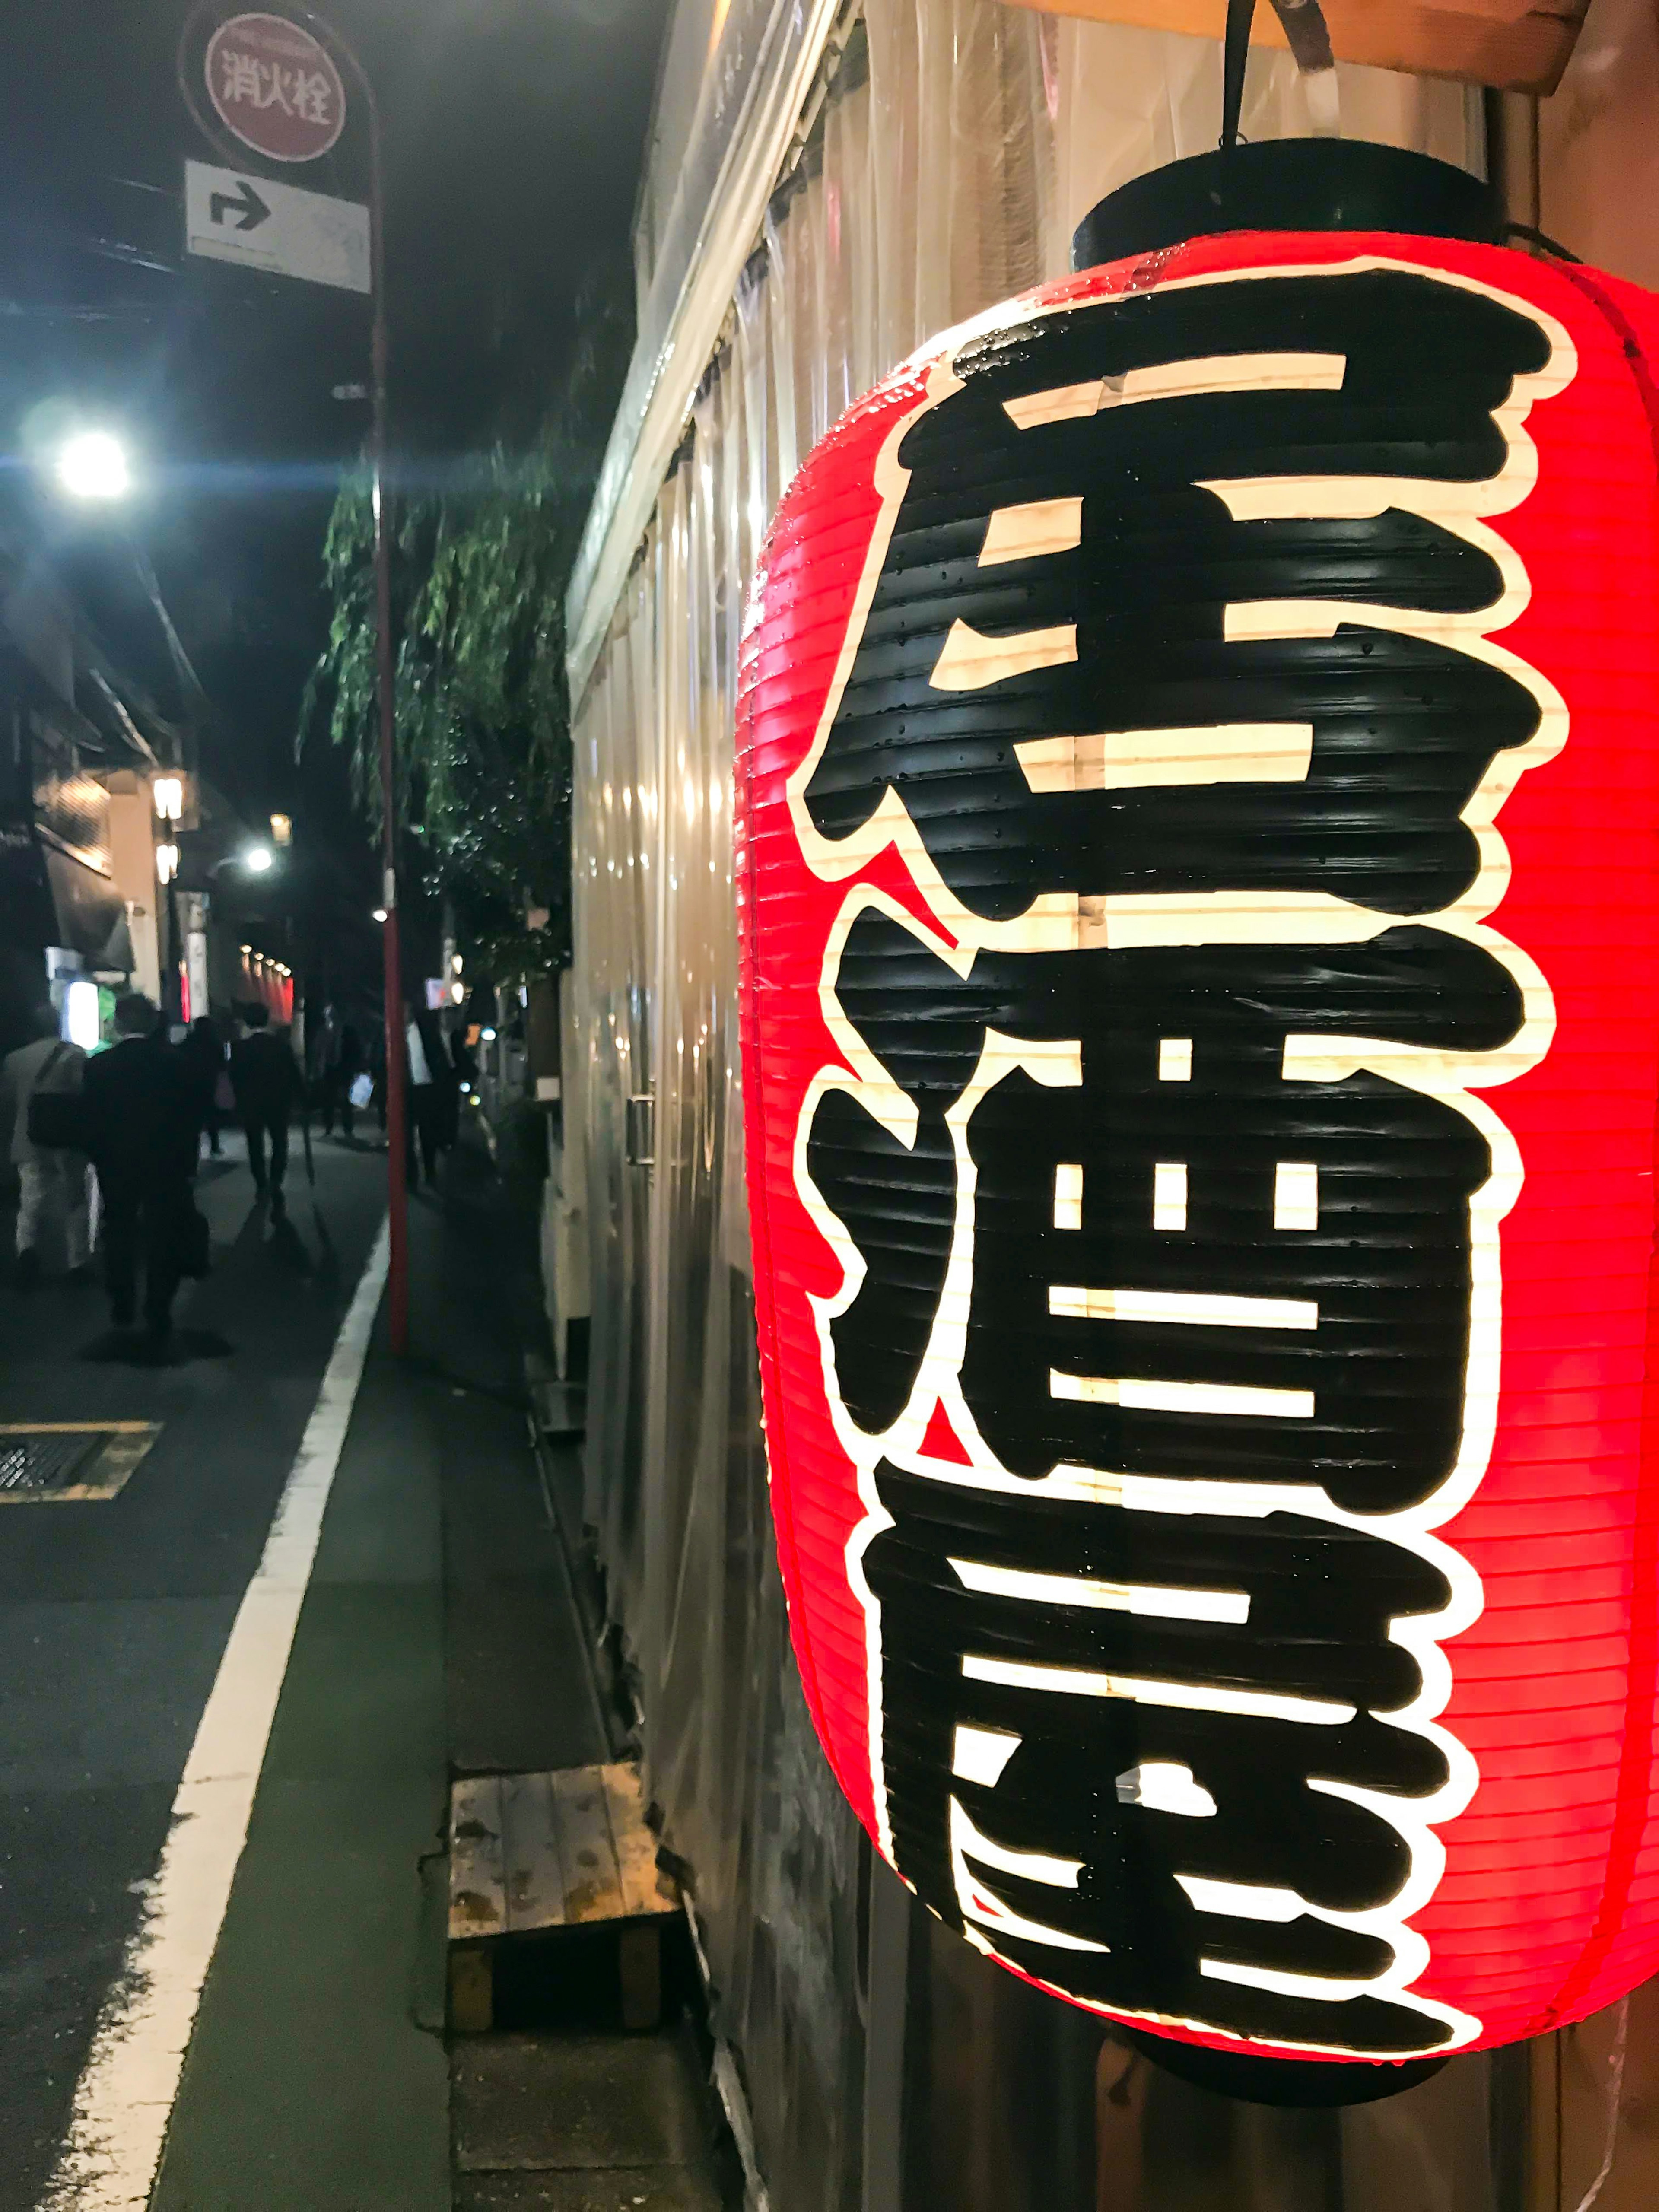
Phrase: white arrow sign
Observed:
(285, 231)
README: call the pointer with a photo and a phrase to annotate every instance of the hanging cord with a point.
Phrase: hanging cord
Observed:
(1235, 51)
(1309, 41)
(1533, 236)
(1615, 2097)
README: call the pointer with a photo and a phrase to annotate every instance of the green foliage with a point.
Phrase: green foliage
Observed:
(479, 573)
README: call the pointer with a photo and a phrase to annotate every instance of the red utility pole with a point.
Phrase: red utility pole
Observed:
(397, 1104)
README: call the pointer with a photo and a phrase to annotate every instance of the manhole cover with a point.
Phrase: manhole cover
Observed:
(59, 1461)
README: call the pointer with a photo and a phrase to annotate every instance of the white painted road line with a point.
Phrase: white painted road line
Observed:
(124, 2097)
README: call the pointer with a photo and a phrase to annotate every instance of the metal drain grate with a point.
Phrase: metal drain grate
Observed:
(69, 1460)
(46, 1460)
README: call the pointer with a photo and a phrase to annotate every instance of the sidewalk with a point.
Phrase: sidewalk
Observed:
(437, 1633)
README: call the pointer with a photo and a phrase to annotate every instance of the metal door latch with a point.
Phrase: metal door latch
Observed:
(640, 1129)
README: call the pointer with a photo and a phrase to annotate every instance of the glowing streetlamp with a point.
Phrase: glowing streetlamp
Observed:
(92, 464)
(258, 860)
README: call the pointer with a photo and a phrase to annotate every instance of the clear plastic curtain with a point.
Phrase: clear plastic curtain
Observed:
(958, 144)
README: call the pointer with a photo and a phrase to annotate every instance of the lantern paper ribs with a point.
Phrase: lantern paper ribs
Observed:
(1154, 980)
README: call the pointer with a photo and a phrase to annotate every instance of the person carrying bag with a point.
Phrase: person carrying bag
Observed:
(57, 1110)
(43, 1081)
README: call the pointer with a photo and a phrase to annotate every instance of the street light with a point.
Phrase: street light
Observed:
(92, 464)
(380, 913)
(258, 860)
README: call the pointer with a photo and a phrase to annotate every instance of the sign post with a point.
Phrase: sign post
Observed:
(275, 84)
(277, 228)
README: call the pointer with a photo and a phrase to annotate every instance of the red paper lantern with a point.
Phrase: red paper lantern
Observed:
(1198, 778)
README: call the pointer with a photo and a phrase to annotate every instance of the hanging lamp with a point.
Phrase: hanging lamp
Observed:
(1198, 773)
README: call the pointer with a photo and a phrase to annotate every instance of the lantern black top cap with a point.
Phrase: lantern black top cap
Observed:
(1288, 184)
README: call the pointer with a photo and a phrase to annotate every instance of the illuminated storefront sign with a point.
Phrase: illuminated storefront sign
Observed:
(1196, 766)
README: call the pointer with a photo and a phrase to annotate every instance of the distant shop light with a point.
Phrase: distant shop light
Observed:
(380, 913)
(82, 1023)
(167, 863)
(488, 1034)
(168, 792)
(282, 830)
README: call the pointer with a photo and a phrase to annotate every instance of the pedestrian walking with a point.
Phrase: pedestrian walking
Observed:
(54, 1182)
(142, 1131)
(265, 1078)
(376, 1072)
(430, 1122)
(340, 1061)
(203, 1052)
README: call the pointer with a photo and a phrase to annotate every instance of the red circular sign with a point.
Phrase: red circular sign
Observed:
(275, 87)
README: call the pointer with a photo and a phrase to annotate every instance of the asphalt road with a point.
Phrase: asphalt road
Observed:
(114, 1614)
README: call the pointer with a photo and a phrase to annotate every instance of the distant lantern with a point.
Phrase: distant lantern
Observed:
(1199, 771)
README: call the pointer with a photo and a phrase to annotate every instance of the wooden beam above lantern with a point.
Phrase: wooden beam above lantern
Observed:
(1514, 46)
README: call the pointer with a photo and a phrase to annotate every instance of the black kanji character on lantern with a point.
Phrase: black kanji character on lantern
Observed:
(1161, 1855)
(1188, 1260)
(1110, 433)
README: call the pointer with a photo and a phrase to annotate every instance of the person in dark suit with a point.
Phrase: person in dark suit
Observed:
(339, 1062)
(265, 1078)
(142, 1133)
(433, 1105)
(203, 1054)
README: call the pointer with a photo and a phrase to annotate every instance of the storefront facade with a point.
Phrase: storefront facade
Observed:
(828, 191)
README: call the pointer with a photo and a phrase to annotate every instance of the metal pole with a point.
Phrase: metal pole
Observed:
(396, 1046)
(396, 1026)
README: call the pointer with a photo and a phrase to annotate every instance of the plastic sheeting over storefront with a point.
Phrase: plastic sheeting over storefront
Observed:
(955, 147)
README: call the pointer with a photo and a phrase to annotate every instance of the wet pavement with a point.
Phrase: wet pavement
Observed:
(115, 1612)
(238, 1687)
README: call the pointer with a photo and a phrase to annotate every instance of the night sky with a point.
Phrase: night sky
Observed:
(514, 130)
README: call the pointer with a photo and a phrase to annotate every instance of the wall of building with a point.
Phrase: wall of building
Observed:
(132, 863)
(885, 2064)
(1597, 141)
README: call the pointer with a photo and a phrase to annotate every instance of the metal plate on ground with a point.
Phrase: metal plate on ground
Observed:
(69, 1462)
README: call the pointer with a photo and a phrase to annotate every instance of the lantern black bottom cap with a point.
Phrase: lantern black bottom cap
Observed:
(1288, 184)
(1305, 2086)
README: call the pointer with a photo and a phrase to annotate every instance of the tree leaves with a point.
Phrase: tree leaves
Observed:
(479, 572)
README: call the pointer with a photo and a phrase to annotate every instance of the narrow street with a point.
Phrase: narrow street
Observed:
(115, 1613)
(225, 1763)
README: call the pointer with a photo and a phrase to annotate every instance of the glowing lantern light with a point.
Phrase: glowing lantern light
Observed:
(1198, 764)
